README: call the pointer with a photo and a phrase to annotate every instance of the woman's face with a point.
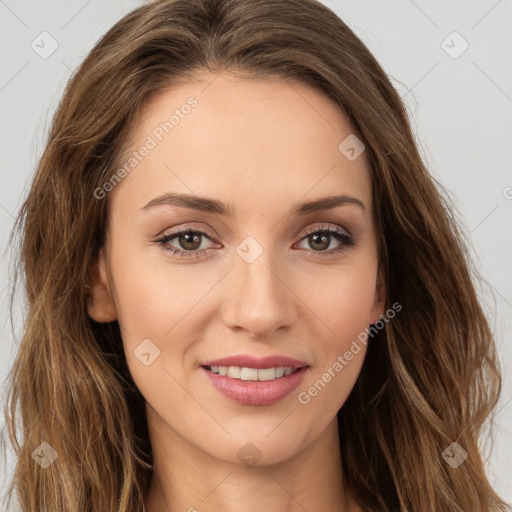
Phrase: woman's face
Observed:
(266, 279)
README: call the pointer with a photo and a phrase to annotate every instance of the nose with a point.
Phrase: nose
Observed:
(260, 298)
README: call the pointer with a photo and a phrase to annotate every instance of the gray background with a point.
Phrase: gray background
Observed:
(460, 108)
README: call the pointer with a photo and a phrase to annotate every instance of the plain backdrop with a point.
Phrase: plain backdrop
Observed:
(450, 61)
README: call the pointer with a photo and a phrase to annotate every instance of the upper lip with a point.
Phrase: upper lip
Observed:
(247, 361)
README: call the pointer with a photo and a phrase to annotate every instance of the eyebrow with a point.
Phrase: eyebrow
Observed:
(206, 204)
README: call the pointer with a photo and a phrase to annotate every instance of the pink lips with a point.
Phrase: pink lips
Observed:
(256, 392)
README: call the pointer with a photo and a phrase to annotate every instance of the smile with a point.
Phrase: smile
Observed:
(248, 386)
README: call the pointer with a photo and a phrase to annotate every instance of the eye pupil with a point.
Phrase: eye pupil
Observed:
(190, 238)
(321, 239)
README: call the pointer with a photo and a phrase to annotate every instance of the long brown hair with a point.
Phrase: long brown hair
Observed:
(430, 378)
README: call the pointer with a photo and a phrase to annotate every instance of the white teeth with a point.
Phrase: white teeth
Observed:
(267, 374)
(234, 372)
(262, 374)
(249, 374)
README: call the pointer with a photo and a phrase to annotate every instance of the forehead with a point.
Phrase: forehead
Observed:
(248, 142)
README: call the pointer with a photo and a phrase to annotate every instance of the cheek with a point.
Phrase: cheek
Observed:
(161, 312)
(343, 304)
(153, 293)
(342, 299)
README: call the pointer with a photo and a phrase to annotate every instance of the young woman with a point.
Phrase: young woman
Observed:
(245, 290)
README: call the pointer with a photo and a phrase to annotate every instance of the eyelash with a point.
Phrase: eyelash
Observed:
(335, 232)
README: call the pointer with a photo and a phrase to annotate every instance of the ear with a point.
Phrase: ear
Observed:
(379, 301)
(100, 304)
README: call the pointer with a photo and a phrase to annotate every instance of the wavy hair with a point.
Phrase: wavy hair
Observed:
(430, 378)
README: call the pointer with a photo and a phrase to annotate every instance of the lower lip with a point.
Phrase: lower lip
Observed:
(249, 392)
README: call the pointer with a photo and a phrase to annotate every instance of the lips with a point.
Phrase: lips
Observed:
(248, 380)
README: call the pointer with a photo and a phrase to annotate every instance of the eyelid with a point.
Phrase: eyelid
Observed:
(191, 227)
(186, 227)
(326, 227)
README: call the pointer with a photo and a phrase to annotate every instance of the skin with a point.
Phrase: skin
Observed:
(263, 147)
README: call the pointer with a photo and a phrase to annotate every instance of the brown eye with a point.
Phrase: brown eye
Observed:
(320, 239)
(191, 241)
(187, 242)
(319, 242)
